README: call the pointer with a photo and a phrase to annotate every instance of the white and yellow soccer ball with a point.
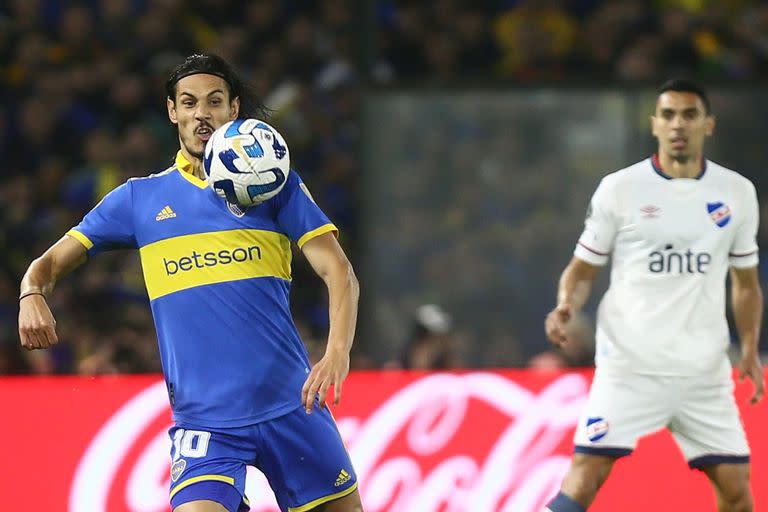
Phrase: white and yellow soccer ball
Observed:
(246, 162)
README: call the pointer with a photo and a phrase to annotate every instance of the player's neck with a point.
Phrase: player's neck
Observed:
(676, 169)
(197, 164)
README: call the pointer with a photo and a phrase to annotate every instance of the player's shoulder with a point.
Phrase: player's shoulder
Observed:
(728, 177)
(294, 188)
(168, 177)
(136, 188)
(292, 182)
(626, 176)
(638, 170)
(293, 178)
(155, 176)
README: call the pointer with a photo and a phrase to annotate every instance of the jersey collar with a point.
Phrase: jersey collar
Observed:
(185, 169)
(656, 164)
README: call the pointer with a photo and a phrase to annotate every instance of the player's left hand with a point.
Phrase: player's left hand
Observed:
(332, 369)
(751, 368)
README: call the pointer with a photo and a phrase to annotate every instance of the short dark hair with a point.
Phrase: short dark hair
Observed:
(687, 85)
(211, 64)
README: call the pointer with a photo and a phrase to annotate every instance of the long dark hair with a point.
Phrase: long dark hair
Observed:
(210, 64)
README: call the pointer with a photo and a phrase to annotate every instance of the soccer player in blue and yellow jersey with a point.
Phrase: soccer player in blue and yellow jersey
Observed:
(238, 376)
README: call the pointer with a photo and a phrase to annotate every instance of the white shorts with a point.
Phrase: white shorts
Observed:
(699, 411)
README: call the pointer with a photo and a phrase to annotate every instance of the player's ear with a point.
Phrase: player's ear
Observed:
(653, 125)
(234, 108)
(171, 110)
(710, 125)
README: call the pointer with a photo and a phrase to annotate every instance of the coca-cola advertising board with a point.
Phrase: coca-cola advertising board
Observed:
(421, 442)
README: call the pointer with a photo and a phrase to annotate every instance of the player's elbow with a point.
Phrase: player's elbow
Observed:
(353, 284)
(749, 293)
(340, 277)
(39, 267)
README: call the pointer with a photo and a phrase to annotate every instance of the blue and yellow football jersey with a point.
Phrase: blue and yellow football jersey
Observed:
(218, 286)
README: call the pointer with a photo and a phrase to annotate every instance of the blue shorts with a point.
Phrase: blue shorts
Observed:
(302, 456)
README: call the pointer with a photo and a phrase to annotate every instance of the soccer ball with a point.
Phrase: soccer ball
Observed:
(246, 162)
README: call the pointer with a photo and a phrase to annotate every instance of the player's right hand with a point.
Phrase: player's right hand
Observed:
(37, 327)
(556, 323)
(751, 368)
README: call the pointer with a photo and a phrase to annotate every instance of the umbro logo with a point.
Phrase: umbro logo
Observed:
(165, 213)
(342, 478)
(650, 211)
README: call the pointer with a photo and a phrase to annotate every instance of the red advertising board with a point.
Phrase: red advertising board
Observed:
(442, 442)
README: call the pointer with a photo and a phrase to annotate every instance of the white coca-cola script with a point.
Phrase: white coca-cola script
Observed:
(443, 443)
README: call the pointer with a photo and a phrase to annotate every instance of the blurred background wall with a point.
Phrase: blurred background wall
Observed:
(455, 144)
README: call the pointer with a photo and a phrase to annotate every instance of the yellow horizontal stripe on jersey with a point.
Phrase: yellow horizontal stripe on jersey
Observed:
(188, 261)
(324, 499)
(80, 238)
(202, 478)
(309, 235)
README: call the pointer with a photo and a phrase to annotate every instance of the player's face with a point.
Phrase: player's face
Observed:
(202, 104)
(681, 124)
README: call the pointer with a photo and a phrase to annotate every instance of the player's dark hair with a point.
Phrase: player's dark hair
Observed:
(686, 85)
(211, 64)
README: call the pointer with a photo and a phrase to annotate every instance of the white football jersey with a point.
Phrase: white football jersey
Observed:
(671, 242)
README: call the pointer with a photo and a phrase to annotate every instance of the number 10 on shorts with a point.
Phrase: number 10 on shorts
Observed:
(191, 444)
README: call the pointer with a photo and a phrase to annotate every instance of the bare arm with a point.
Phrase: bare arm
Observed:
(747, 303)
(37, 327)
(330, 263)
(572, 293)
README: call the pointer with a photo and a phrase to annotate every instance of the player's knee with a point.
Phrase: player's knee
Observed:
(585, 477)
(738, 501)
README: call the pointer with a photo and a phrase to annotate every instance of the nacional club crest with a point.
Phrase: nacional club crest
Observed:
(720, 213)
(597, 428)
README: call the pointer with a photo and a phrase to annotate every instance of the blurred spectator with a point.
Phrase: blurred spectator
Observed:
(640, 60)
(536, 38)
(678, 53)
(431, 344)
(530, 40)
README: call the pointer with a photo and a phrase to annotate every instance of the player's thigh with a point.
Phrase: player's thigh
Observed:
(305, 461)
(619, 411)
(707, 426)
(209, 465)
(348, 503)
(201, 506)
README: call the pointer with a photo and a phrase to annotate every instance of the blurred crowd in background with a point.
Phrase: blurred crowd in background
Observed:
(565, 40)
(83, 109)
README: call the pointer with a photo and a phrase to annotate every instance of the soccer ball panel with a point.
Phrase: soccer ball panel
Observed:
(246, 161)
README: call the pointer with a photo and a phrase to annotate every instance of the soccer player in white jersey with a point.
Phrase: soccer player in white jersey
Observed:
(673, 225)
